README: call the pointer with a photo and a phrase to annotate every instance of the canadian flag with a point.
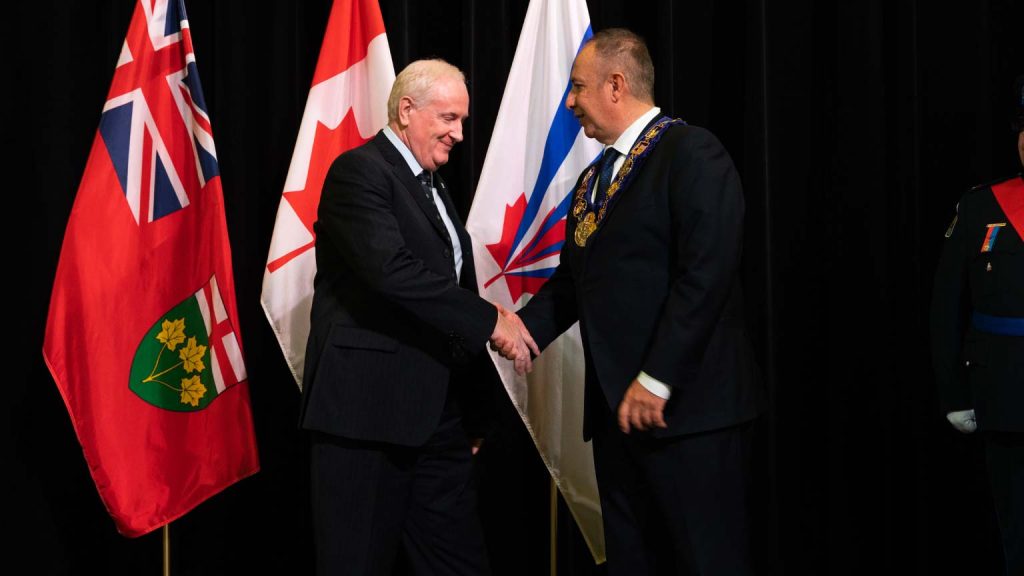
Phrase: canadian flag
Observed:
(347, 105)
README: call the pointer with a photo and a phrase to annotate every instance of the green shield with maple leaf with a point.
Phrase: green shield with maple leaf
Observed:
(171, 368)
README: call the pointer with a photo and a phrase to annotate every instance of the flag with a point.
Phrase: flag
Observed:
(346, 106)
(142, 333)
(517, 222)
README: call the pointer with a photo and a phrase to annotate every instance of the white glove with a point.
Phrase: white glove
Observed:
(963, 421)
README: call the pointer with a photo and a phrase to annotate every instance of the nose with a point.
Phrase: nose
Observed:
(456, 131)
(570, 100)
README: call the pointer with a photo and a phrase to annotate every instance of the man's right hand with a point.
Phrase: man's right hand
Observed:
(963, 420)
(513, 341)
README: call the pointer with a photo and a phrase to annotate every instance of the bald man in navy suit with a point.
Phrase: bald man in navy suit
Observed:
(650, 269)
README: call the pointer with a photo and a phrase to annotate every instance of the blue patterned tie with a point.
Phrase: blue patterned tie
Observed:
(427, 180)
(604, 179)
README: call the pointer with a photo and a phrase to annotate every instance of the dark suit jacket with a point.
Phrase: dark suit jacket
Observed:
(389, 320)
(656, 288)
(978, 369)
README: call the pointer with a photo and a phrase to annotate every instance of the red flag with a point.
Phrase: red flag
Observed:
(347, 105)
(142, 335)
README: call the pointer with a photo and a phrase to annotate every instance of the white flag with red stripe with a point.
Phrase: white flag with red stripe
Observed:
(517, 223)
(347, 105)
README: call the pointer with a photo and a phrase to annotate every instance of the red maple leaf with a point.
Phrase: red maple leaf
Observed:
(500, 250)
(546, 241)
(327, 145)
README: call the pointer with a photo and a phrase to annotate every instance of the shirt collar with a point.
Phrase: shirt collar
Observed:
(403, 150)
(629, 135)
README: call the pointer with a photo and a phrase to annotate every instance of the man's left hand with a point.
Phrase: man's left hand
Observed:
(641, 410)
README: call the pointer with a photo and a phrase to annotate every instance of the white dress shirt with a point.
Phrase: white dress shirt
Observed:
(416, 169)
(622, 145)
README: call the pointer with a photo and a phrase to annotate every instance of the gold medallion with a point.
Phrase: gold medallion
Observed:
(588, 221)
(584, 229)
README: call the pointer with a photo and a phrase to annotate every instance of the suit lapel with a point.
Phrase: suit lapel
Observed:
(453, 215)
(596, 237)
(412, 185)
(468, 274)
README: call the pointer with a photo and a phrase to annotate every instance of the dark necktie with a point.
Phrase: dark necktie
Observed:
(604, 179)
(427, 180)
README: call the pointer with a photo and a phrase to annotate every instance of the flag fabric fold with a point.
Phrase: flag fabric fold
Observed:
(517, 222)
(346, 106)
(142, 334)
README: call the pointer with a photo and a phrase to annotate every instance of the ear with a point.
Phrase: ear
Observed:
(405, 107)
(618, 85)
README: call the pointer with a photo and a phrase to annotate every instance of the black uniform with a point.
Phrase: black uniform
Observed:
(978, 349)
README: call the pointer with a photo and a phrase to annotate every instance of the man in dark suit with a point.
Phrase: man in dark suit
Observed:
(650, 269)
(394, 311)
(978, 336)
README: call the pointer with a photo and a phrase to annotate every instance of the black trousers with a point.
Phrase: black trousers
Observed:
(1004, 456)
(373, 500)
(674, 506)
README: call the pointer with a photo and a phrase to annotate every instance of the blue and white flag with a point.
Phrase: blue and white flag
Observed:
(517, 223)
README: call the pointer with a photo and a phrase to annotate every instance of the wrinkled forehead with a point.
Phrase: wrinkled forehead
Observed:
(586, 63)
(446, 92)
(449, 96)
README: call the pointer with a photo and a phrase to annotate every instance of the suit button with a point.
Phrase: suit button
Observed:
(447, 253)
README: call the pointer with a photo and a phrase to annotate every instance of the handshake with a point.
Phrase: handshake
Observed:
(512, 340)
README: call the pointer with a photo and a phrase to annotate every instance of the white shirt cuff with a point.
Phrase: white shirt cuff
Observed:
(654, 386)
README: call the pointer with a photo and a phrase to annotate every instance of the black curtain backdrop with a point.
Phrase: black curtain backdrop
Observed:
(855, 127)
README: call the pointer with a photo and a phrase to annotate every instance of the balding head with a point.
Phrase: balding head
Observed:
(426, 109)
(623, 51)
(417, 81)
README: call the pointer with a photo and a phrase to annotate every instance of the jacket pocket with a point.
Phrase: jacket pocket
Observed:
(997, 273)
(361, 339)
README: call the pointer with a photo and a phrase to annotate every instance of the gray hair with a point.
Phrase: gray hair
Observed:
(627, 51)
(416, 81)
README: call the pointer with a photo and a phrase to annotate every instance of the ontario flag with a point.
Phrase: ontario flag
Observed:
(517, 222)
(347, 105)
(142, 334)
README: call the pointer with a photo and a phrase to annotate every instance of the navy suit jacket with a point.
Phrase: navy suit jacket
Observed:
(389, 321)
(656, 288)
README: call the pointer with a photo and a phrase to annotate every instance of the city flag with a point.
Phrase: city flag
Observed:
(517, 221)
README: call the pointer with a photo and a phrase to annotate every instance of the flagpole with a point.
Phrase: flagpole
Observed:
(554, 528)
(167, 549)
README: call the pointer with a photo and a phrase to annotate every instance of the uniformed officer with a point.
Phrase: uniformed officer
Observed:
(978, 336)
